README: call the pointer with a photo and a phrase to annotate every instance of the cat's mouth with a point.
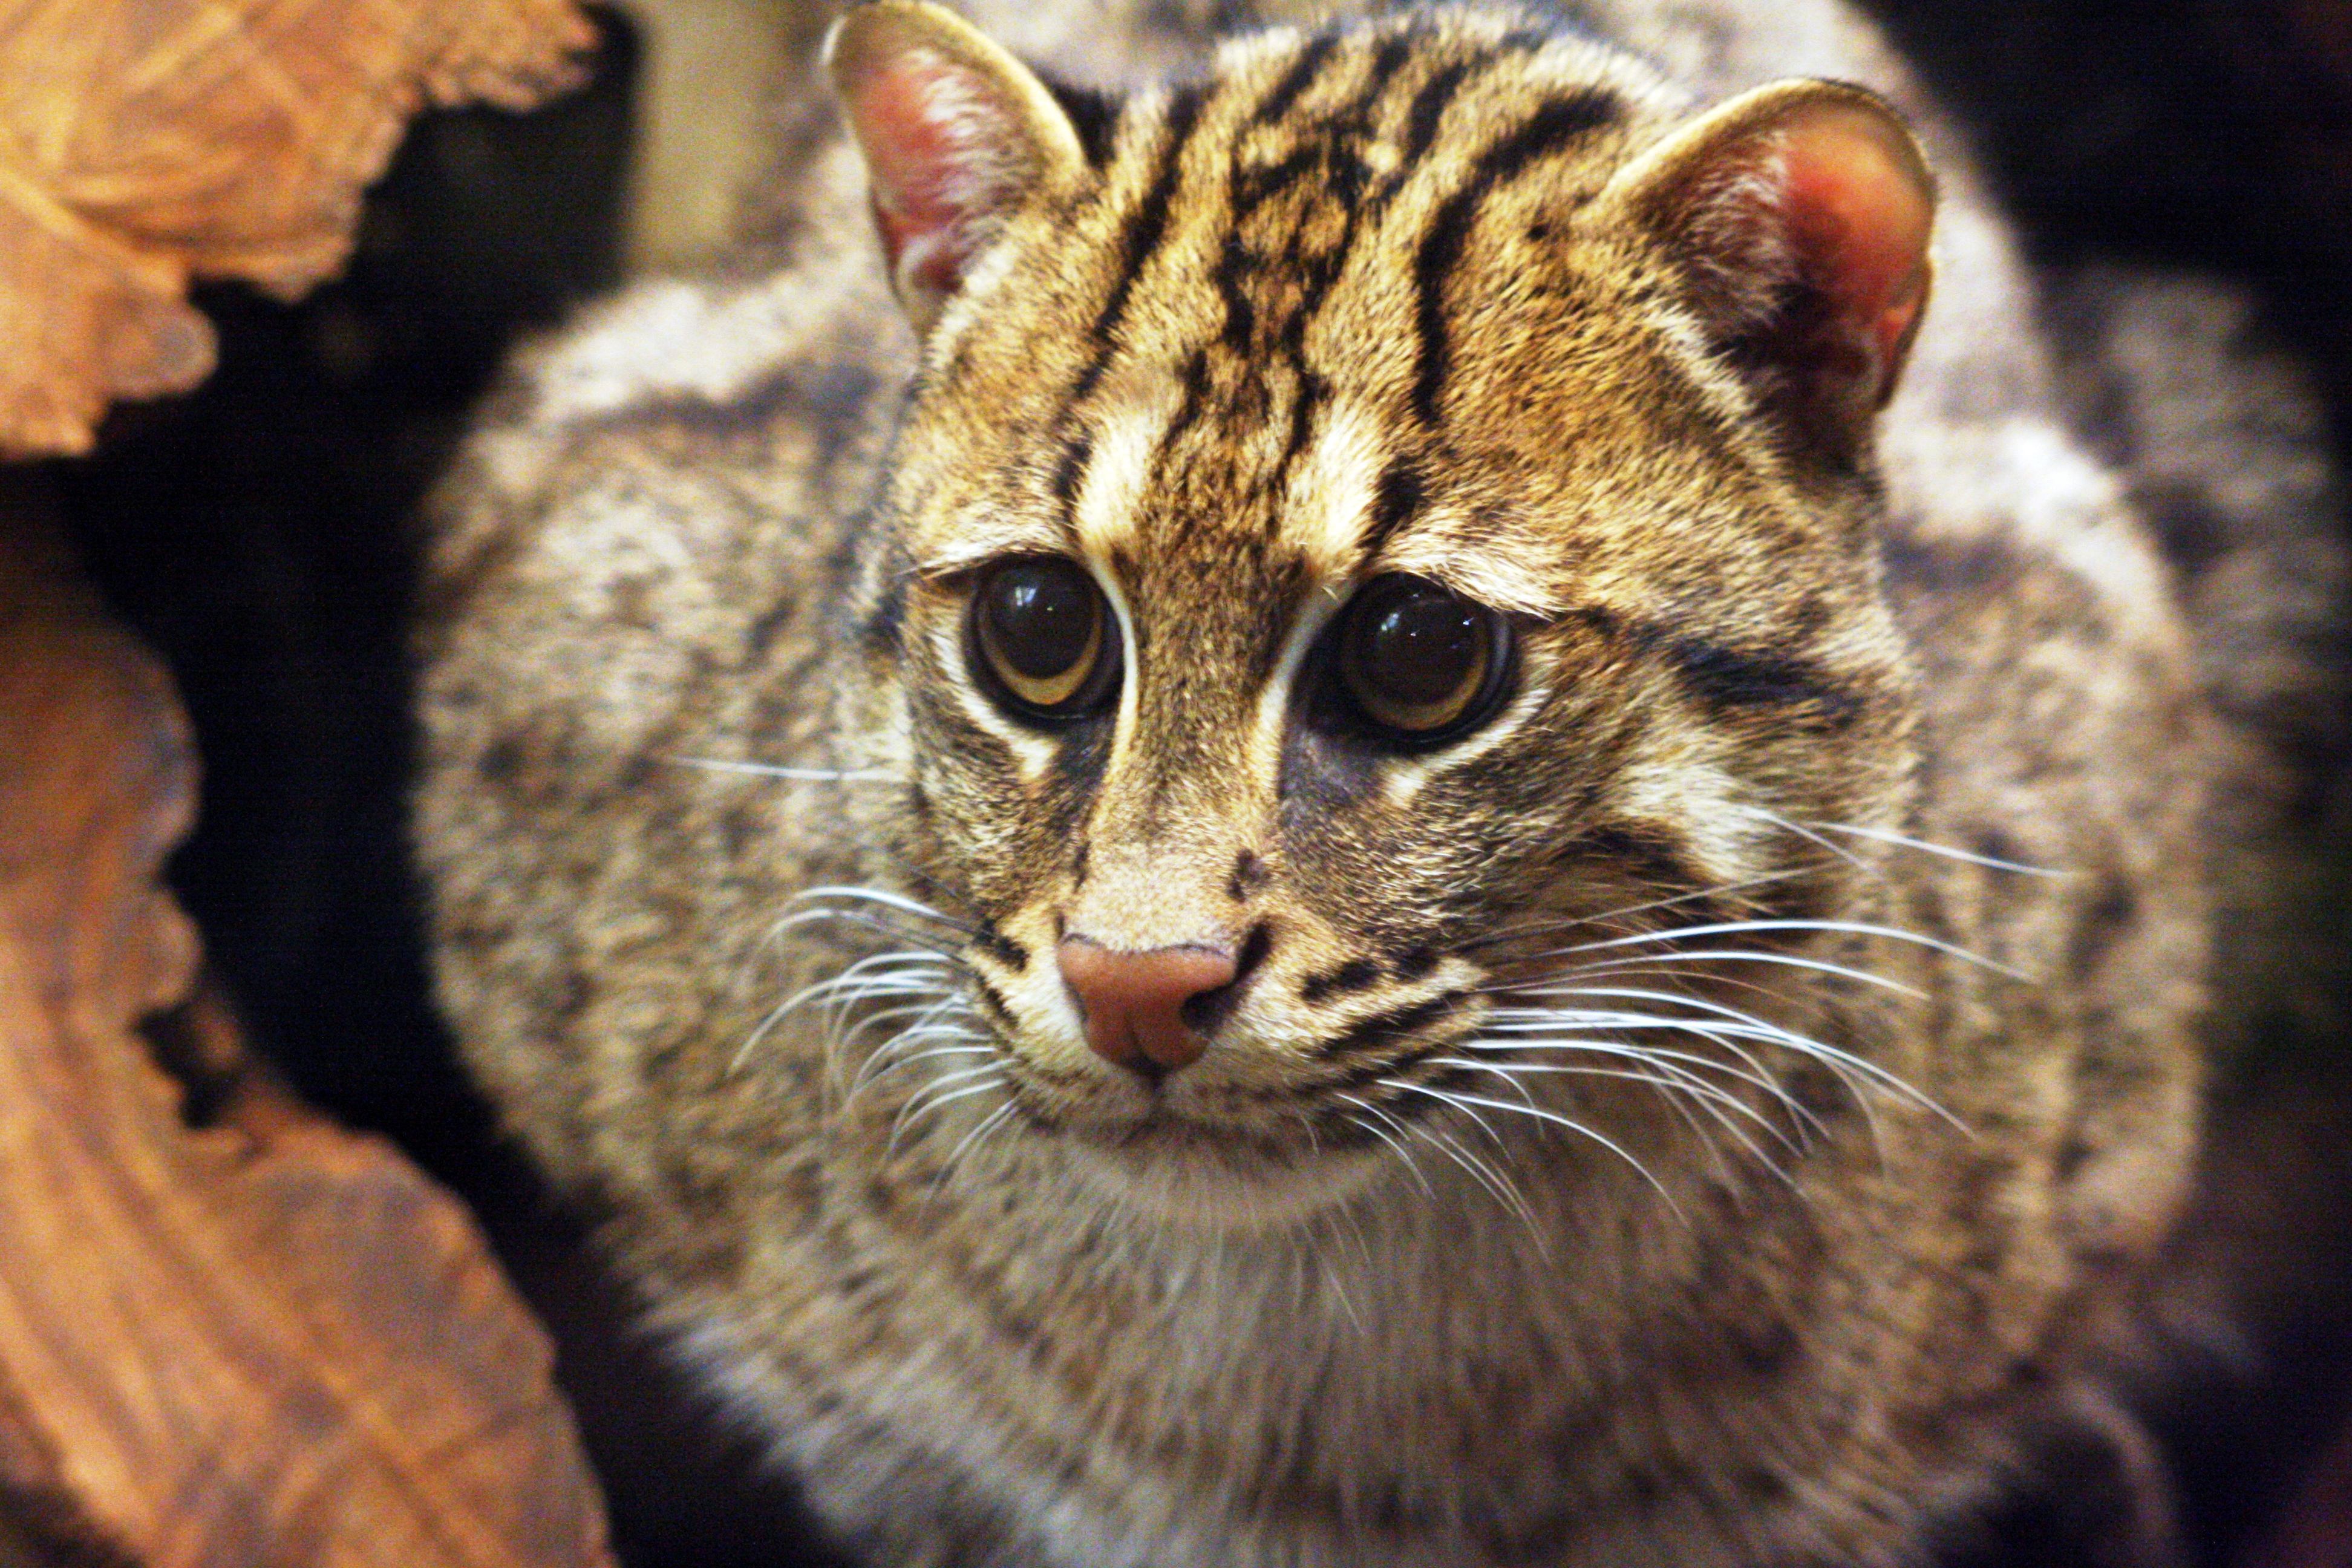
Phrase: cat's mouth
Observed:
(1189, 1173)
(1189, 1169)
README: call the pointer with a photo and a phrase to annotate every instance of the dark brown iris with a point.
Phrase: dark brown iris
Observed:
(1045, 639)
(1418, 660)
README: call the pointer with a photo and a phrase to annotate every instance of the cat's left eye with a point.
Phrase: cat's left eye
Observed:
(1044, 642)
(1419, 662)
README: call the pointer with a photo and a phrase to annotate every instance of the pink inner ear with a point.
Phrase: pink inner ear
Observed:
(925, 127)
(1859, 211)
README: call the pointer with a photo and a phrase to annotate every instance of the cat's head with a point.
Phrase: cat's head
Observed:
(1371, 525)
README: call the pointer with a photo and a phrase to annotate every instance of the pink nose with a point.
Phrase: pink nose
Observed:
(1133, 1001)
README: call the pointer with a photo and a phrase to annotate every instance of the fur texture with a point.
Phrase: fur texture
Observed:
(1701, 1115)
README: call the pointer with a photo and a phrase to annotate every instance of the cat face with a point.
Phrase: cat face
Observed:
(1373, 529)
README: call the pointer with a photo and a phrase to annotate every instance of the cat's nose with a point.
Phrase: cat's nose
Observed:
(1133, 1003)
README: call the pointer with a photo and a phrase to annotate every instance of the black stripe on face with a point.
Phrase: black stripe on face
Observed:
(1428, 108)
(1093, 114)
(1296, 81)
(1382, 1028)
(1069, 472)
(1146, 226)
(993, 1002)
(1002, 948)
(1558, 123)
(1355, 974)
(1647, 852)
(1725, 678)
(1399, 498)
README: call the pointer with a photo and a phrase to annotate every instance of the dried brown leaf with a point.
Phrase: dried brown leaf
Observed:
(147, 142)
(265, 1341)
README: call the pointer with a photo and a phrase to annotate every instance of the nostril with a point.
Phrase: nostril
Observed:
(1206, 1010)
(1134, 1003)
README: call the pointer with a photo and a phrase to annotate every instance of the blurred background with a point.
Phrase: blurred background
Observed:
(259, 535)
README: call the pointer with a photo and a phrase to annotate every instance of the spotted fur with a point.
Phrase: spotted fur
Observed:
(1700, 1116)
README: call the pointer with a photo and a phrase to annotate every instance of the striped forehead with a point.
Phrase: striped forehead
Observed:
(1350, 508)
(1263, 245)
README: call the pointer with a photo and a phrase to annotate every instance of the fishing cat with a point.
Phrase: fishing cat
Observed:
(1427, 818)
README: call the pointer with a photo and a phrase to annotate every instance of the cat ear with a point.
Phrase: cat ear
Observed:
(956, 133)
(1799, 213)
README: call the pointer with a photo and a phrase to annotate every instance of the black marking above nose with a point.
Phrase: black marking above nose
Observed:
(1078, 866)
(1249, 876)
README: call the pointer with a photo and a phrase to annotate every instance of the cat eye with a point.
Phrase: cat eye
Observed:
(1419, 662)
(1044, 645)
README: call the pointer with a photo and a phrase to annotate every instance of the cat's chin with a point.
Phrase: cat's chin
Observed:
(1194, 1176)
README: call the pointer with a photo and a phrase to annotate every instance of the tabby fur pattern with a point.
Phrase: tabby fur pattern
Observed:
(1705, 1115)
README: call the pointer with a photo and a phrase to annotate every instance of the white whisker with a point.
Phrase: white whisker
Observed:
(898, 902)
(1675, 1088)
(1503, 1191)
(932, 1103)
(988, 1125)
(1838, 1061)
(1884, 836)
(1804, 832)
(1743, 928)
(1733, 955)
(872, 1074)
(1568, 922)
(775, 771)
(1370, 1109)
(1545, 1023)
(1569, 1123)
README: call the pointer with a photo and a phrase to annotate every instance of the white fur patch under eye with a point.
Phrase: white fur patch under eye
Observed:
(1034, 750)
(1402, 778)
(1704, 804)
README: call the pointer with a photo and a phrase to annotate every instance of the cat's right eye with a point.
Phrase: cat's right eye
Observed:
(1044, 643)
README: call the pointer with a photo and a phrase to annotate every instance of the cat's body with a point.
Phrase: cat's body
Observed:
(1303, 324)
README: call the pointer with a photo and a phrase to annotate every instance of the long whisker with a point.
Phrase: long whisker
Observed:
(1370, 1109)
(1568, 922)
(988, 1125)
(898, 901)
(876, 1076)
(1503, 1191)
(1675, 1069)
(1743, 928)
(1804, 832)
(1675, 1090)
(928, 1100)
(915, 976)
(1552, 1117)
(1884, 836)
(928, 940)
(1828, 1055)
(1733, 955)
(774, 771)
(1544, 1022)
